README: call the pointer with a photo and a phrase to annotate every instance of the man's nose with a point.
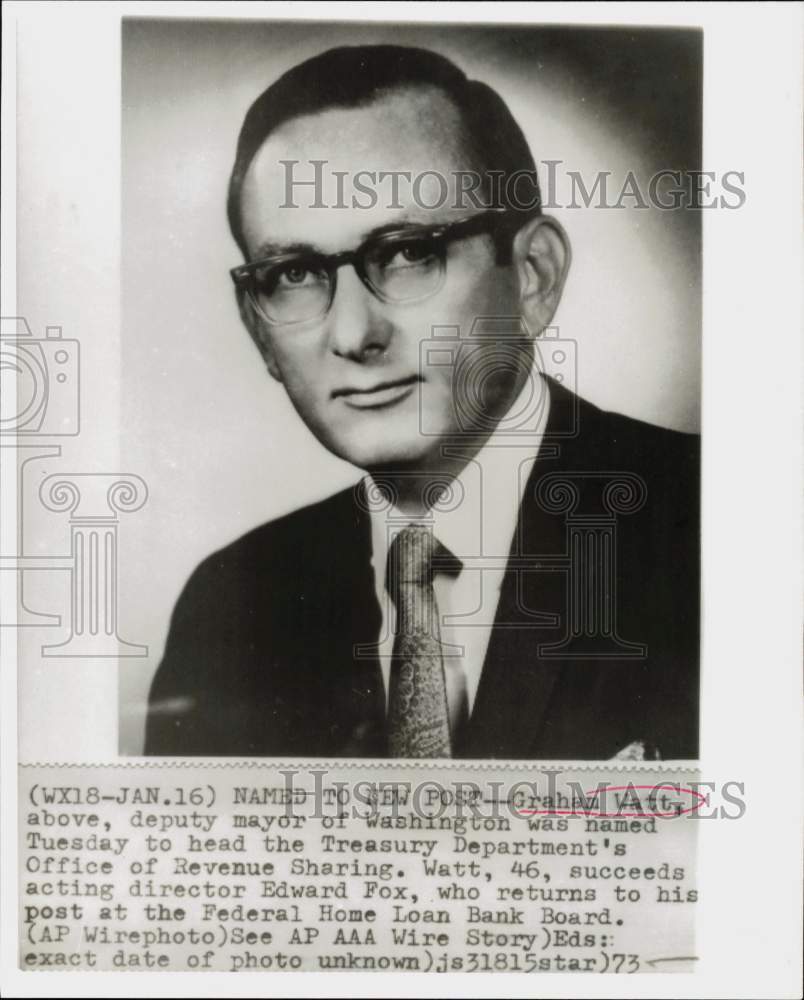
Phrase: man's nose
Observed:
(358, 328)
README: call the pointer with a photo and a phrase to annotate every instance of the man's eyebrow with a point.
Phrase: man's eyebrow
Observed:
(398, 226)
(271, 248)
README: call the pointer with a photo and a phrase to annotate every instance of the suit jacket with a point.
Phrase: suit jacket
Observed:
(581, 661)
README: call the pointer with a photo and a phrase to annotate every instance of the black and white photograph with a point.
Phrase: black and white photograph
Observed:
(400, 509)
(461, 269)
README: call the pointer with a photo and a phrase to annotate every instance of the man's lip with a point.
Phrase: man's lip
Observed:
(379, 387)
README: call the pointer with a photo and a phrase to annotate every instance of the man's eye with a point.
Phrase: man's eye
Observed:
(409, 254)
(294, 274)
(286, 277)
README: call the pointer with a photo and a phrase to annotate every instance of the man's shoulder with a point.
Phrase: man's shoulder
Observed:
(609, 440)
(285, 544)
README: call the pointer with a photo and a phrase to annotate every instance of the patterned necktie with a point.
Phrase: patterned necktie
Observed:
(418, 717)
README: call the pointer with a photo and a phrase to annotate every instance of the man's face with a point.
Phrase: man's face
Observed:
(356, 375)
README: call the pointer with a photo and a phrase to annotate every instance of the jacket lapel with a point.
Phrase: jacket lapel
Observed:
(510, 718)
(516, 684)
(341, 618)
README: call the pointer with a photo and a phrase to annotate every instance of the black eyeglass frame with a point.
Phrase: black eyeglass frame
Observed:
(490, 221)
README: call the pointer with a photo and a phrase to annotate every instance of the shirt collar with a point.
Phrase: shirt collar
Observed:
(478, 515)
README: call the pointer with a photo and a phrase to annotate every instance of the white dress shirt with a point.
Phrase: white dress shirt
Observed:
(479, 521)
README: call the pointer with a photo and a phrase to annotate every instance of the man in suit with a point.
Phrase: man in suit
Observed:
(517, 574)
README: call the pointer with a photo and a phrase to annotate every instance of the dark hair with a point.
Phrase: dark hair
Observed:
(353, 76)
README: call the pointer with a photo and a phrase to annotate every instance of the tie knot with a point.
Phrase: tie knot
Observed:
(411, 556)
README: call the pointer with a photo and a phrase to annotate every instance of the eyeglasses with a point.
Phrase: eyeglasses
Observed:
(401, 266)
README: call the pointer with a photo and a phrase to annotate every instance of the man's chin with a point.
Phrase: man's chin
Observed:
(383, 455)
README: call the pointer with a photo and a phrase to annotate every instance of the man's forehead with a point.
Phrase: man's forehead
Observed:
(416, 132)
(421, 122)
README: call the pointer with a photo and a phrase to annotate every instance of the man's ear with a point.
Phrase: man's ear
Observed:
(254, 325)
(541, 256)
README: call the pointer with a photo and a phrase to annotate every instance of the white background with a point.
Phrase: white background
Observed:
(750, 871)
